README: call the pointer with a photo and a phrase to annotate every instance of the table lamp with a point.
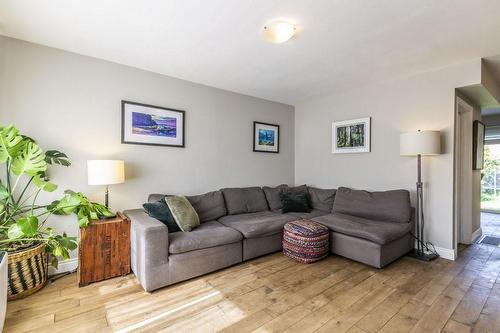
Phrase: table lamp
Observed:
(420, 143)
(105, 172)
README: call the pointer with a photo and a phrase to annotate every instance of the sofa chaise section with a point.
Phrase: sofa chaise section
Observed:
(370, 227)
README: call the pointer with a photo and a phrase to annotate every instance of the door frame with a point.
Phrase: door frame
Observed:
(463, 200)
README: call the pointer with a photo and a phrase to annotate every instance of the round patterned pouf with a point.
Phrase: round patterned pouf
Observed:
(305, 241)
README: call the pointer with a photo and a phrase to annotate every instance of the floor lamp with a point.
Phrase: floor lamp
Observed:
(420, 143)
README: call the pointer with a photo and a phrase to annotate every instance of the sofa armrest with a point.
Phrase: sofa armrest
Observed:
(149, 249)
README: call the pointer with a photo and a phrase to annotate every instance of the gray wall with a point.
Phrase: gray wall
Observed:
(72, 103)
(424, 101)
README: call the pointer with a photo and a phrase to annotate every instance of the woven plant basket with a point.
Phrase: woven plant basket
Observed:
(28, 270)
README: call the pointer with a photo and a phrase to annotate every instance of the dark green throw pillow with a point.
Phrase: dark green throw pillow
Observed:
(159, 210)
(295, 202)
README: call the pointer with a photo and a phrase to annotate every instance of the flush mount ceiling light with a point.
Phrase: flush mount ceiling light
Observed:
(279, 31)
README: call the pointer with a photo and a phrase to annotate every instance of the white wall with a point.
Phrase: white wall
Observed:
(72, 103)
(425, 101)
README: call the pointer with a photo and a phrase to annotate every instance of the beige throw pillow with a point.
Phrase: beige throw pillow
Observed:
(183, 212)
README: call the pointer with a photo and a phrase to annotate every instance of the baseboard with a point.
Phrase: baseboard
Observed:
(64, 266)
(476, 234)
(449, 254)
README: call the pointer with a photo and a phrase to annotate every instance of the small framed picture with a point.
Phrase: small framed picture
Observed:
(152, 125)
(478, 145)
(351, 136)
(266, 137)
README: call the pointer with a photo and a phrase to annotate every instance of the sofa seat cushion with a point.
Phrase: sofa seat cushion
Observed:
(260, 224)
(376, 231)
(208, 234)
(313, 213)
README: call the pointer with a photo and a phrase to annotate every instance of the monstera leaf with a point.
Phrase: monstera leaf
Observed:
(24, 227)
(28, 225)
(11, 143)
(56, 157)
(30, 161)
(85, 210)
(43, 184)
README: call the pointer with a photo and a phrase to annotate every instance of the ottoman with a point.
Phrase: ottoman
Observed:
(305, 241)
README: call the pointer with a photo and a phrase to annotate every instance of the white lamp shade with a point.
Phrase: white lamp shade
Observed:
(105, 172)
(420, 143)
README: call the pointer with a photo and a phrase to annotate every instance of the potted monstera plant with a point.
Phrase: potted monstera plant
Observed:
(24, 233)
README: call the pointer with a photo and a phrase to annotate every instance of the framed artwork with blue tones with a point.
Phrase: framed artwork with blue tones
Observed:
(145, 124)
(266, 137)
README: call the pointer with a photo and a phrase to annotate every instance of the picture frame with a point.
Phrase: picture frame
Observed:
(145, 124)
(266, 137)
(351, 136)
(478, 136)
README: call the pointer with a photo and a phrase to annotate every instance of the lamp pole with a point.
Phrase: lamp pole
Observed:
(420, 203)
(106, 197)
(420, 252)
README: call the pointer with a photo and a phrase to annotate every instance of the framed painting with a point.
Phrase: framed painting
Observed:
(145, 124)
(478, 131)
(351, 136)
(266, 137)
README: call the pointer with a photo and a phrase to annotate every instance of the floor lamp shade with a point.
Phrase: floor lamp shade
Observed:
(420, 143)
(105, 172)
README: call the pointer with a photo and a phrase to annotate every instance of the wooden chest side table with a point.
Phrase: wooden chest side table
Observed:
(104, 250)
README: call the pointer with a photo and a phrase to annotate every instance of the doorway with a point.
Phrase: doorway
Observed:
(467, 181)
(490, 191)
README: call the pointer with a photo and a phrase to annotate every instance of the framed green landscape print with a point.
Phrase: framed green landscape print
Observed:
(266, 137)
(351, 136)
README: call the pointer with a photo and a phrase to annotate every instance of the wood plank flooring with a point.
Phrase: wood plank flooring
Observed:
(276, 294)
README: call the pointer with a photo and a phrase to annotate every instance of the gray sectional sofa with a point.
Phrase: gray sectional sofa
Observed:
(239, 224)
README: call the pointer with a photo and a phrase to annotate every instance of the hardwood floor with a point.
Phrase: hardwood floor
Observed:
(276, 294)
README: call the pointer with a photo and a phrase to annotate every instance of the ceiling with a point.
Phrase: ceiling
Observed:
(340, 44)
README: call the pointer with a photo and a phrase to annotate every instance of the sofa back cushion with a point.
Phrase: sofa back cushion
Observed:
(273, 195)
(155, 197)
(391, 206)
(209, 206)
(321, 199)
(244, 200)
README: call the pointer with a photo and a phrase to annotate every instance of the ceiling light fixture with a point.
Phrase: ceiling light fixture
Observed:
(279, 31)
